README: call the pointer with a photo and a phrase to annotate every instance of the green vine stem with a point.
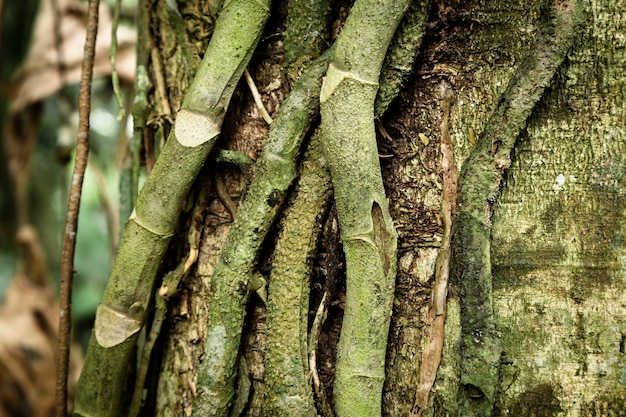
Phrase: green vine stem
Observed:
(168, 289)
(124, 307)
(400, 58)
(478, 187)
(367, 232)
(287, 375)
(234, 276)
(307, 28)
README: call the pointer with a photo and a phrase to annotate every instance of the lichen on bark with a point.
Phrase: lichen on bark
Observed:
(479, 183)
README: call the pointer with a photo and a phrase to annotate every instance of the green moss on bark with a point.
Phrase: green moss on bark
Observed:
(479, 184)
(287, 374)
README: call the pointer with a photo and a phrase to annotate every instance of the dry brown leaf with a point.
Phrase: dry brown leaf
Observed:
(40, 75)
(28, 338)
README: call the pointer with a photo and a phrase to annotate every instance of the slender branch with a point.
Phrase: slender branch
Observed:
(113, 58)
(287, 377)
(403, 50)
(305, 35)
(257, 97)
(73, 206)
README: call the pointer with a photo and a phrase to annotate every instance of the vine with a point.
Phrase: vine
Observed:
(478, 187)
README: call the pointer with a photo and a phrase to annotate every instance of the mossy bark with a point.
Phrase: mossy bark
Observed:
(287, 374)
(306, 35)
(558, 251)
(479, 183)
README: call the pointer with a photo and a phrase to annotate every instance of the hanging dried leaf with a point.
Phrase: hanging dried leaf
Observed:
(28, 338)
(45, 71)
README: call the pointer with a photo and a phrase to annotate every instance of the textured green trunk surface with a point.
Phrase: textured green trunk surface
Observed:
(559, 252)
(557, 247)
(558, 255)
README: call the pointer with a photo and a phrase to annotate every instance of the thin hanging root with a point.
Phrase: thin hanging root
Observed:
(73, 206)
(316, 328)
(257, 98)
(314, 334)
(113, 58)
(224, 196)
(191, 259)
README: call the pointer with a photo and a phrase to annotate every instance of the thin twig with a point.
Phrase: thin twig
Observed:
(224, 196)
(320, 318)
(113, 58)
(257, 98)
(316, 329)
(71, 225)
(58, 42)
(161, 84)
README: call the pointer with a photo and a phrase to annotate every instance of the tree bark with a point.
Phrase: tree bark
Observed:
(552, 222)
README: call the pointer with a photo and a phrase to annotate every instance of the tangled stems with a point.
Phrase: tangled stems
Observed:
(234, 276)
(124, 307)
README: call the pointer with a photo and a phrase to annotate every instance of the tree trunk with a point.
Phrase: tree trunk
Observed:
(530, 97)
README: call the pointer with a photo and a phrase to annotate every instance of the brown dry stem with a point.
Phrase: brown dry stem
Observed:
(71, 225)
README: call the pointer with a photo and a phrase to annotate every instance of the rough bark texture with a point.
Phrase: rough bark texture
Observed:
(557, 247)
(574, 129)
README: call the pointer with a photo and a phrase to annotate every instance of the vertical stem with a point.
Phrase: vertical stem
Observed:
(286, 367)
(113, 58)
(71, 225)
(349, 141)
